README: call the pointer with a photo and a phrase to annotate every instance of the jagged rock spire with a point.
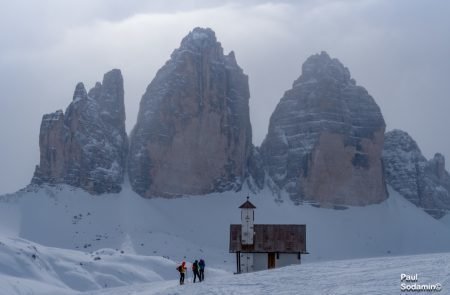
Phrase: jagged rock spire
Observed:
(79, 92)
(424, 183)
(325, 138)
(87, 146)
(193, 133)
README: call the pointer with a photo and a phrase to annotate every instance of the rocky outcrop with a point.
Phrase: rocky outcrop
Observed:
(325, 138)
(424, 183)
(257, 175)
(87, 146)
(193, 133)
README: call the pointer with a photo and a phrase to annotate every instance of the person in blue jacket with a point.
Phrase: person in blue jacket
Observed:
(201, 266)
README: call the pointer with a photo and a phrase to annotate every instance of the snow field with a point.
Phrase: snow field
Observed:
(372, 276)
(139, 242)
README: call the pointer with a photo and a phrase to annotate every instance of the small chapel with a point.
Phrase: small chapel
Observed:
(265, 246)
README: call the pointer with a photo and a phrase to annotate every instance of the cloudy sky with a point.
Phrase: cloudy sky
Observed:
(398, 50)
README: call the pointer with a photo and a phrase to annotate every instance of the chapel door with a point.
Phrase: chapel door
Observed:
(271, 260)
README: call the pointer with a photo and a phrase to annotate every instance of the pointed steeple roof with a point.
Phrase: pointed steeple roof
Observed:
(247, 205)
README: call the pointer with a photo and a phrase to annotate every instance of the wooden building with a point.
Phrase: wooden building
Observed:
(265, 246)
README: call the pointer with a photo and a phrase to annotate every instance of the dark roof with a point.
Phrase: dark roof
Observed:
(247, 205)
(283, 238)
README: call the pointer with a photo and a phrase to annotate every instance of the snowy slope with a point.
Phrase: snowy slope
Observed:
(374, 276)
(193, 227)
(29, 268)
(139, 241)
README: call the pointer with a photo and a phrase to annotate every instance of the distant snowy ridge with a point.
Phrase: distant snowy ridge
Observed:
(198, 226)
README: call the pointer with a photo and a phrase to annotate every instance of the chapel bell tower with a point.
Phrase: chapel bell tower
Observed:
(248, 220)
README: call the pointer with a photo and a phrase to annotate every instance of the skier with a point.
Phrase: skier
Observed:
(195, 271)
(182, 269)
(201, 266)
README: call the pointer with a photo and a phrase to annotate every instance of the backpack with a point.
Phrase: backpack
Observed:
(201, 264)
(194, 266)
(179, 268)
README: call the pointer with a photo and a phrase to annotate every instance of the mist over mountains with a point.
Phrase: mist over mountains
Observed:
(193, 136)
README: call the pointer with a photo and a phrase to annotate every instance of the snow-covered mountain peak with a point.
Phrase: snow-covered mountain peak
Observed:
(320, 67)
(80, 92)
(199, 37)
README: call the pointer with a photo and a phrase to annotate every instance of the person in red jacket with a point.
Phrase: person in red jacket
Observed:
(182, 270)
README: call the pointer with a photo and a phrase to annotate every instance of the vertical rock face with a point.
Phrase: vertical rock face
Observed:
(193, 133)
(326, 137)
(424, 183)
(87, 146)
(256, 169)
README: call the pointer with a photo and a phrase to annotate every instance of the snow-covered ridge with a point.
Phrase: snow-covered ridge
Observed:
(198, 226)
(67, 269)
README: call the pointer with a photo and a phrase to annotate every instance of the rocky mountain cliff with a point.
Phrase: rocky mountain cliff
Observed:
(325, 138)
(87, 145)
(193, 136)
(193, 132)
(424, 183)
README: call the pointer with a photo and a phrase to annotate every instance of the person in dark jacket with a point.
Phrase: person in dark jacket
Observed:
(195, 269)
(201, 266)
